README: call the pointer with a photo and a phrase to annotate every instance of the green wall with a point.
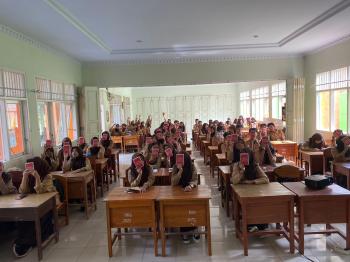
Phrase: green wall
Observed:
(22, 56)
(334, 57)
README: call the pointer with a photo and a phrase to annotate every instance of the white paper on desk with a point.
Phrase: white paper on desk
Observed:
(133, 190)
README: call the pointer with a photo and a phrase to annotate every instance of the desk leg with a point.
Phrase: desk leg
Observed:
(348, 228)
(55, 219)
(162, 229)
(38, 236)
(109, 236)
(86, 200)
(244, 229)
(221, 185)
(235, 214)
(301, 227)
(227, 196)
(208, 229)
(291, 227)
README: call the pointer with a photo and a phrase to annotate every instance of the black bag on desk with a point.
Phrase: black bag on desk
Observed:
(318, 181)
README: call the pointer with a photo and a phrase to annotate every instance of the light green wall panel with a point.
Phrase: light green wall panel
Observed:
(22, 56)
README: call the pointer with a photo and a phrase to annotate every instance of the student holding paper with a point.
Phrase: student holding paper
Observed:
(96, 149)
(82, 144)
(77, 162)
(36, 179)
(227, 146)
(274, 134)
(185, 175)
(154, 157)
(60, 155)
(170, 154)
(267, 154)
(49, 157)
(253, 143)
(141, 173)
(6, 186)
(247, 171)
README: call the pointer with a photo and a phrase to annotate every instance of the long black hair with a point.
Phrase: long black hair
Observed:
(250, 171)
(145, 169)
(41, 167)
(106, 143)
(340, 146)
(186, 176)
(79, 161)
(236, 151)
(316, 137)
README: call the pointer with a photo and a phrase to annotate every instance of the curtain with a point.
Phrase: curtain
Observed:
(298, 109)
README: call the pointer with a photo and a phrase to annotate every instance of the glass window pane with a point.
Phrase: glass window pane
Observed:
(322, 112)
(2, 157)
(340, 107)
(43, 117)
(58, 120)
(71, 121)
(15, 127)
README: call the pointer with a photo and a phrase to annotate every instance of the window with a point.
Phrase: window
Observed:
(57, 102)
(260, 103)
(245, 104)
(43, 118)
(12, 112)
(278, 99)
(332, 100)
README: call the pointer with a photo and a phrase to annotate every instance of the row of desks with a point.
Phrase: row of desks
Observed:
(160, 207)
(274, 203)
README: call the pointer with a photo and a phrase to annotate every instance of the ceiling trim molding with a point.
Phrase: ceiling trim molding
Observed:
(336, 42)
(60, 9)
(316, 21)
(187, 60)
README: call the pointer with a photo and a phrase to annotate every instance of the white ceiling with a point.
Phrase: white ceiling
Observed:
(109, 30)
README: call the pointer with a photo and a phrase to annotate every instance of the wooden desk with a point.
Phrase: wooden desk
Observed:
(115, 158)
(288, 149)
(212, 150)
(326, 206)
(342, 169)
(184, 209)
(162, 177)
(314, 161)
(204, 147)
(224, 177)
(131, 210)
(31, 208)
(220, 160)
(100, 165)
(77, 187)
(263, 204)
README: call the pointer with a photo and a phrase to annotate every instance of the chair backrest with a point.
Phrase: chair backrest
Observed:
(63, 181)
(16, 176)
(288, 173)
(327, 158)
(131, 140)
(92, 160)
(117, 139)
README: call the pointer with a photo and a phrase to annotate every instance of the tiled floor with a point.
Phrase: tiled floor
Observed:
(86, 240)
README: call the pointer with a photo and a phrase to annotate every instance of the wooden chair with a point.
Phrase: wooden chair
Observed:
(117, 140)
(63, 206)
(288, 173)
(129, 141)
(100, 180)
(327, 161)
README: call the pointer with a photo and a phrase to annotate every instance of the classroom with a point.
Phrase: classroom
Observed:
(174, 130)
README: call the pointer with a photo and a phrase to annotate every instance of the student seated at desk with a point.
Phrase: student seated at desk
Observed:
(141, 176)
(159, 137)
(266, 154)
(341, 152)
(204, 129)
(77, 162)
(82, 144)
(186, 176)
(106, 141)
(335, 135)
(252, 142)
(239, 128)
(155, 158)
(6, 185)
(60, 155)
(170, 155)
(115, 130)
(34, 181)
(227, 147)
(49, 157)
(274, 134)
(315, 143)
(247, 174)
(96, 149)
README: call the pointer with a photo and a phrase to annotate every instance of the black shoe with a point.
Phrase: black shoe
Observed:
(82, 209)
(21, 250)
(185, 239)
(196, 238)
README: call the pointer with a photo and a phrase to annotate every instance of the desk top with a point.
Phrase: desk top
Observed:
(72, 175)
(221, 156)
(120, 194)
(264, 190)
(212, 148)
(30, 201)
(159, 192)
(285, 142)
(271, 169)
(178, 193)
(312, 153)
(301, 190)
(162, 172)
(225, 169)
(342, 164)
